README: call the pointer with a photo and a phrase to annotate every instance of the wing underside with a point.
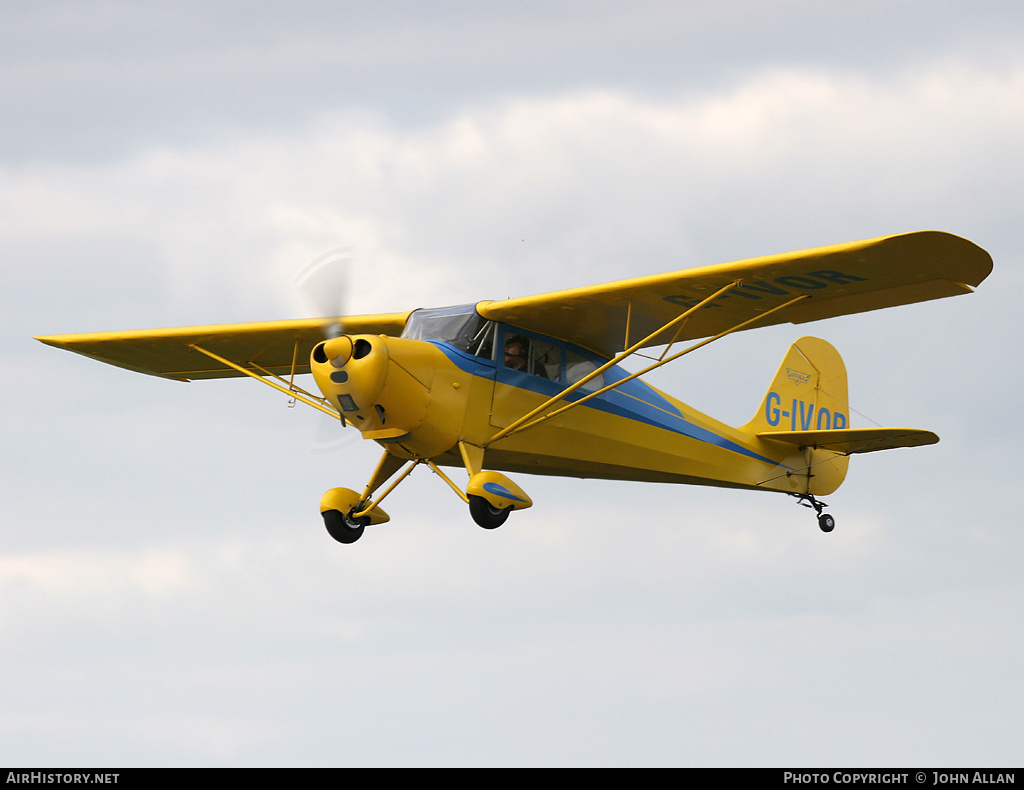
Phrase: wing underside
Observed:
(277, 347)
(838, 280)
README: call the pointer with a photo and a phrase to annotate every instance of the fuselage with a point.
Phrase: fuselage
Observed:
(454, 377)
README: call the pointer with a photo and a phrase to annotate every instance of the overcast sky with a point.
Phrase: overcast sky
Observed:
(168, 595)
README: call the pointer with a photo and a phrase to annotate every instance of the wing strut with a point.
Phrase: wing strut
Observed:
(291, 389)
(524, 422)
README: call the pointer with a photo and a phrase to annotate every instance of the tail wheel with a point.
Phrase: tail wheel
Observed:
(485, 514)
(342, 527)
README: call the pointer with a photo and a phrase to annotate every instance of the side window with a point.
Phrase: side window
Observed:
(545, 360)
(530, 355)
(578, 366)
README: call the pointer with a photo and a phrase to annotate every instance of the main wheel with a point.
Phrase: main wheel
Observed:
(485, 514)
(342, 527)
(826, 522)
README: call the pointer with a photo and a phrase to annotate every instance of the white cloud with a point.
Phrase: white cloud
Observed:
(78, 576)
(599, 183)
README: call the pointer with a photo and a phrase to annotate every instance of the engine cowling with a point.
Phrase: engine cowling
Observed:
(384, 387)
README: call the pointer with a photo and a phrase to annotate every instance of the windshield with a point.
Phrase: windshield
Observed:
(458, 326)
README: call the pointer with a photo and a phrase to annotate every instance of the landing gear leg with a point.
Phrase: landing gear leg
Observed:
(825, 521)
(346, 514)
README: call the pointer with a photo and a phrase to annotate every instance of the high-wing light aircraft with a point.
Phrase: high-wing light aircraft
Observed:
(534, 384)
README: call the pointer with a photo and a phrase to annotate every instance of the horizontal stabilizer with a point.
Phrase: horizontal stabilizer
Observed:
(851, 440)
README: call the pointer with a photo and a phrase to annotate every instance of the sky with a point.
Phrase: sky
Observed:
(168, 594)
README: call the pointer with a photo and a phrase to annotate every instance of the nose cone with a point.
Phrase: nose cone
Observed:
(339, 350)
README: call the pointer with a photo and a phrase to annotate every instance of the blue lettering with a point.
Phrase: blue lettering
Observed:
(763, 287)
(771, 410)
(803, 283)
(810, 281)
(682, 301)
(802, 415)
(689, 301)
(805, 419)
(837, 277)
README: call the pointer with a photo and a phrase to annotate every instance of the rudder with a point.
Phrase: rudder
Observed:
(808, 393)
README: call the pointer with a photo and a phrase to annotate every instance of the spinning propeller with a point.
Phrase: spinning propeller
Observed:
(324, 286)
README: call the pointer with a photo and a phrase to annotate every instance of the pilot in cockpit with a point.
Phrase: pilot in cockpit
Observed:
(517, 356)
(515, 353)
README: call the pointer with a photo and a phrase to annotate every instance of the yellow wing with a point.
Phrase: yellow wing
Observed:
(272, 345)
(840, 279)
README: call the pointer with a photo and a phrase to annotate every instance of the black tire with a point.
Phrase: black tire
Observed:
(342, 528)
(826, 522)
(486, 515)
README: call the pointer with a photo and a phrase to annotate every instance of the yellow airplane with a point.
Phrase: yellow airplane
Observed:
(535, 384)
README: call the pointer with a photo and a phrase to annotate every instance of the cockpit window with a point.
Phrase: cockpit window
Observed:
(482, 343)
(532, 355)
(458, 326)
(578, 367)
(519, 350)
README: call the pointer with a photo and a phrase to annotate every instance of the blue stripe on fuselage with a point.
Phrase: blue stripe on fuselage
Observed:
(633, 400)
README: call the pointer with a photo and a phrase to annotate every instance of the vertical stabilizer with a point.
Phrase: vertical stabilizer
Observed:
(808, 393)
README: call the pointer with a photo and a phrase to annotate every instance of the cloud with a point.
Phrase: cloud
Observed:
(599, 184)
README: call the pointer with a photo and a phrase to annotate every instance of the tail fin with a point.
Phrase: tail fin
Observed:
(807, 394)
